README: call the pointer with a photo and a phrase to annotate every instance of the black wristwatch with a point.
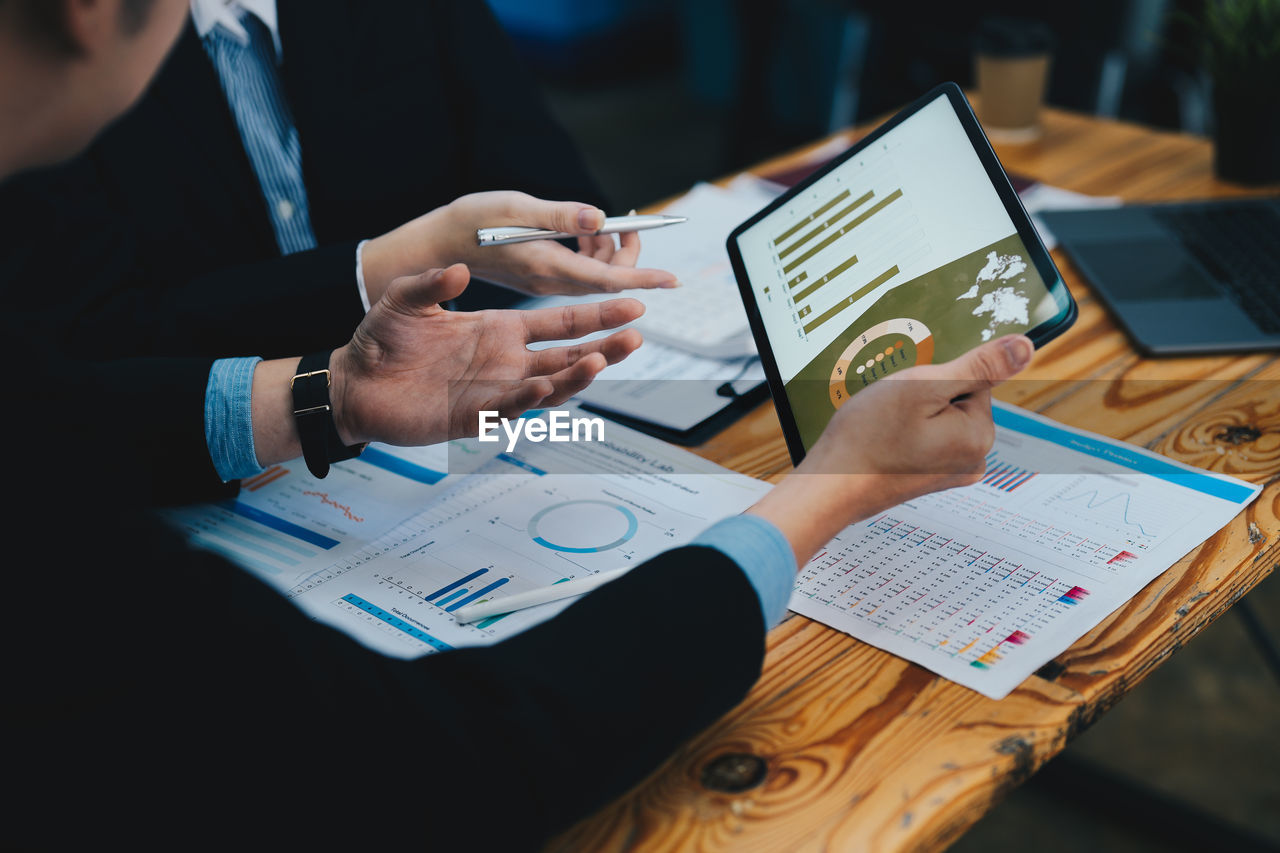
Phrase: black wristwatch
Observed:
(314, 415)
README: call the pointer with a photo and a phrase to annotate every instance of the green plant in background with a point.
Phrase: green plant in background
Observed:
(1242, 42)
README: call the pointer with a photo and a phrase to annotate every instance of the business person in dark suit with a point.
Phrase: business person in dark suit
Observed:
(241, 274)
(284, 132)
(283, 161)
(160, 698)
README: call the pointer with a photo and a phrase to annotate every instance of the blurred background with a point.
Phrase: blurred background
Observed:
(660, 94)
(745, 80)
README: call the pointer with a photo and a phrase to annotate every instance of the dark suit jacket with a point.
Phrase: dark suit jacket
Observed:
(160, 698)
(157, 241)
(163, 699)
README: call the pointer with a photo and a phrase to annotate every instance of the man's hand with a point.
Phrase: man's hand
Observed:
(447, 235)
(417, 374)
(922, 430)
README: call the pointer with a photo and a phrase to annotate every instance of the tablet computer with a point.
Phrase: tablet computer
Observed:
(910, 247)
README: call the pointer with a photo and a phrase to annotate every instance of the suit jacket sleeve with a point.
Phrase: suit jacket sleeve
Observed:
(158, 692)
(233, 711)
(156, 409)
(75, 269)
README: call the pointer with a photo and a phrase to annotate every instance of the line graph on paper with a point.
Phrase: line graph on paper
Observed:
(1115, 507)
(1104, 522)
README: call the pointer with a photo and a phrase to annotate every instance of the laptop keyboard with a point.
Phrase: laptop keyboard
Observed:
(1239, 245)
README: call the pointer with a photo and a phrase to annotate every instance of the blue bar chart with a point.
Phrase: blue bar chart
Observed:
(475, 596)
(255, 538)
(454, 596)
(1005, 476)
(450, 587)
(457, 593)
(403, 467)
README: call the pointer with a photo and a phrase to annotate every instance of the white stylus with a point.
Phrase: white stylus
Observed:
(612, 225)
(522, 600)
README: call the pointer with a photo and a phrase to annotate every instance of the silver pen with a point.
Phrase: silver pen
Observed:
(612, 225)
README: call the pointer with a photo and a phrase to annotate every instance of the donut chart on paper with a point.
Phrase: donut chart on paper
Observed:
(583, 527)
(878, 351)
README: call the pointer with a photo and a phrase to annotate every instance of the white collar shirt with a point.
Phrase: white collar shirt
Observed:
(207, 14)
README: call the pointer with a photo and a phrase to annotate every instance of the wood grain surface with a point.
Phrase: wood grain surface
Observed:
(841, 746)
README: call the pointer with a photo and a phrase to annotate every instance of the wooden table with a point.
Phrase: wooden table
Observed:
(861, 750)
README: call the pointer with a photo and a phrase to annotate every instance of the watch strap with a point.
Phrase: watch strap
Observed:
(313, 413)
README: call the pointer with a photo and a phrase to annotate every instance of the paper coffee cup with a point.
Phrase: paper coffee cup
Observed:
(1012, 58)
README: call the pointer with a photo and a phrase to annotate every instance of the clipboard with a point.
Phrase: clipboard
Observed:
(738, 402)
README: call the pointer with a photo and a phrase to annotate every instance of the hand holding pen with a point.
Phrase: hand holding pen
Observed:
(543, 265)
(612, 225)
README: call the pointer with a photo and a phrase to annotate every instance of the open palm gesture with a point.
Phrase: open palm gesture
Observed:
(415, 373)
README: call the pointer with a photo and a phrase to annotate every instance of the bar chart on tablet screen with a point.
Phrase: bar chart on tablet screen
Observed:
(844, 239)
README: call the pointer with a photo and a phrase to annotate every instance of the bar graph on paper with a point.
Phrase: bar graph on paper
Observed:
(1004, 476)
(266, 541)
(506, 529)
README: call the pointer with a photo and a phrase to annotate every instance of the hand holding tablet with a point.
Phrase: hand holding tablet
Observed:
(910, 248)
(899, 440)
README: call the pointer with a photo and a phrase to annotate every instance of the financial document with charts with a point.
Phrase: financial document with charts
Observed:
(982, 585)
(985, 584)
(284, 521)
(500, 522)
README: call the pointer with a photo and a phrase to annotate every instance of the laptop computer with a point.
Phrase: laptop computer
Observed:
(1183, 278)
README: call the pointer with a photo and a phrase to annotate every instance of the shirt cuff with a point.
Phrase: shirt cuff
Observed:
(228, 418)
(763, 554)
(364, 291)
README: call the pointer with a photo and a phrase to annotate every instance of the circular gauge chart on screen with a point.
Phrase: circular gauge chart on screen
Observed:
(583, 527)
(878, 351)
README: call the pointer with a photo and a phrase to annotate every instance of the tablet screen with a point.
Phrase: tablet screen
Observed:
(903, 254)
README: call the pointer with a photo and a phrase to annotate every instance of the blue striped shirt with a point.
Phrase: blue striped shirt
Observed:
(248, 73)
(243, 45)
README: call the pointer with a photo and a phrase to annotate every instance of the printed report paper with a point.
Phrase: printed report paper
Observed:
(982, 585)
(518, 520)
(985, 584)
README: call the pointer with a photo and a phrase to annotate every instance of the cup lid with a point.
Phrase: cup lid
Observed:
(1007, 36)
